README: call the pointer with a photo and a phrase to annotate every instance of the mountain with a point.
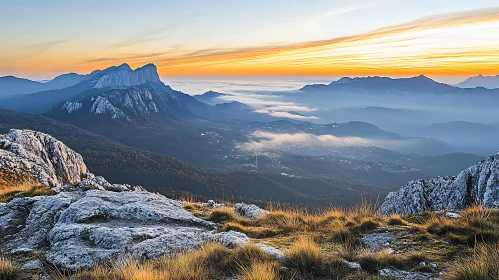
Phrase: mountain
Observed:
(414, 85)
(11, 86)
(467, 136)
(477, 185)
(115, 77)
(489, 82)
(231, 106)
(211, 97)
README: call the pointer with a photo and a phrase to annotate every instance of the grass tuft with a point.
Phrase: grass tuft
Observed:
(8, 271)
(482, 265)
(304, 255)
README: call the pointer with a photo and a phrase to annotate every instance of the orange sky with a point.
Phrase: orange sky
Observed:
(459, 43)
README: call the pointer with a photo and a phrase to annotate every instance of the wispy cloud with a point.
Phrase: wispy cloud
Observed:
(264, 140)
(431, 45)
(270, 141)
(153, 34)
(38, 49)
(284, 114)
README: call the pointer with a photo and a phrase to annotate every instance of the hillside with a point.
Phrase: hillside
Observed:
(70, 224)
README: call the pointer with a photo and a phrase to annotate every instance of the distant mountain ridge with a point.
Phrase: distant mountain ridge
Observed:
(489, 82)
(12, 86)
(413, 85)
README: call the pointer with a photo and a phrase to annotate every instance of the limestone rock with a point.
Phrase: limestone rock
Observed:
(40, 157)
(250, 211)
(478, 184)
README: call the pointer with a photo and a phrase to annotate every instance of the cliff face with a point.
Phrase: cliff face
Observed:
(125, 77)
(478, 184)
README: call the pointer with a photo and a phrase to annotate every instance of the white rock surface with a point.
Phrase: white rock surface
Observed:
(41, 157)
(478, 184)
(250, 211)
(125, 77)
(405, 275)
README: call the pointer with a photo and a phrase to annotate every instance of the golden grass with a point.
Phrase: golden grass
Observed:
(194, 206)
(225, 214)
(260, 271)
(210, 261)
(19, 187)
(8, 270)
(482, 265)
(24, 191)
(304, 255)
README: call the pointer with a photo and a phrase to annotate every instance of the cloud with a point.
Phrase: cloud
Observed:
(430, 45)
(38, 49)
(294, 108)
(281, 114)
(264, 140)
(271, 141)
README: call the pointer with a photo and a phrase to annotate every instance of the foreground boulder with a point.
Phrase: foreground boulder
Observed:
(89, 220)
(478, 184)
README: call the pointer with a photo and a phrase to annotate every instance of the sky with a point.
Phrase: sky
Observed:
(446, 39)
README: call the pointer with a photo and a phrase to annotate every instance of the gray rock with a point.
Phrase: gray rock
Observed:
(452, 215)
(271, 250)
(478, 184)
(378, 241)
(352, 265)
(40, 157)
(230, 239)
(33, 265)
(406, 275)
(250, 211)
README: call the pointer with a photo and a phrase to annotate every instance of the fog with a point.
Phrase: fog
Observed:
(467, 121)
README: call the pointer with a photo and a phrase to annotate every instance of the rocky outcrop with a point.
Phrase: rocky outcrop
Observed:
(124, 77)
(89, 220)
(81, 228)
(41, 158)
(478, 184)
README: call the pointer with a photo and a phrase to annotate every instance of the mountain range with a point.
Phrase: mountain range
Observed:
(11, 86)
(414, 85)
(490, 82)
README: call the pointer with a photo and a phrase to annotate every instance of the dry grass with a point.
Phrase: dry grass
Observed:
(396, 220)
(194, 206)
(23, 190)
(482, 265)
(210, 261)
(304, 255)
(260, 271)
(372, 262)
(225, 214)
(8, 271)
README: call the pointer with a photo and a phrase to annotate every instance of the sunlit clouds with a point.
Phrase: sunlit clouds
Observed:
(455, 43)
(333, 37)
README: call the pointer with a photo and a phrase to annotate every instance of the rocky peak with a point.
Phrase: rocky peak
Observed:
(478, 184)
(123, 76)
(40, 157)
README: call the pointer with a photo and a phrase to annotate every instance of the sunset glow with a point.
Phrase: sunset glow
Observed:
(464, 42)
